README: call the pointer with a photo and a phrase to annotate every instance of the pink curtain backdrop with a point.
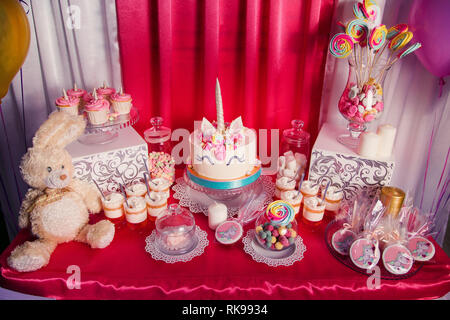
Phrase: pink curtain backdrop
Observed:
(269, 57)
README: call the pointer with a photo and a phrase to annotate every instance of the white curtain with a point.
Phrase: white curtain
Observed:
(71, 41)
(412, 105)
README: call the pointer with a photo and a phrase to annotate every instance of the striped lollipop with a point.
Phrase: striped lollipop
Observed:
(411, 49)
(341, 45)
(358, 11)
(358, 30)
(400, 41)
(377, 37)
(395, 30)
(371, 10)
(280, 213)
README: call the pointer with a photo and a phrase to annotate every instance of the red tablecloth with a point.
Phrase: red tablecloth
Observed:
(125, 271)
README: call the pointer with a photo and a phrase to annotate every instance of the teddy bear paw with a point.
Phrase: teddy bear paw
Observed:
(28, 257)
(101, 234)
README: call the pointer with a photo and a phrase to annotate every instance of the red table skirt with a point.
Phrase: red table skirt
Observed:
(124, 270)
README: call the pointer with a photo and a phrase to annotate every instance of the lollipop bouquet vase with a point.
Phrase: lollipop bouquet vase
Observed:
(371, 50)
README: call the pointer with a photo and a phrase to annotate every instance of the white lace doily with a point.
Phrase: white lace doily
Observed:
(198, 202)
(273, 258)
(156, 254)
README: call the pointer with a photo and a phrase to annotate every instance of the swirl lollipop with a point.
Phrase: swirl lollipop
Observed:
(411, 49)
(371, 10)
(377, 37)
(396, 30)
(358, 30)
(358, 11)
(400, 41)
(280, 212)
(341, 45)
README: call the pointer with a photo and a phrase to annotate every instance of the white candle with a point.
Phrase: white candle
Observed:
(217, 213)
(368, 144)
(387, 138)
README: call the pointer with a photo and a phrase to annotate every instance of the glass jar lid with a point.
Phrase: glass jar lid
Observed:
(176, 219)
(157, 133)
(296, 134)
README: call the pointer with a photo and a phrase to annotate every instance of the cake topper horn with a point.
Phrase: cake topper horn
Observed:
(219, 108)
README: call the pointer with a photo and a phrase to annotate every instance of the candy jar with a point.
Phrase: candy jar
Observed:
(158, 136)
(276, 229)
(175, 231)
(362, 100)
(295, 140)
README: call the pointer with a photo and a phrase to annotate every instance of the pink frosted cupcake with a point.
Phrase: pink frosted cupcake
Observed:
(89, 96)
(106, 92)
(78, 93)
(121, 102)
(97, 110)
(67, 103)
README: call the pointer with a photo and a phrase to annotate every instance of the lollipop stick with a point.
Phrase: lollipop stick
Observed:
(98, 187)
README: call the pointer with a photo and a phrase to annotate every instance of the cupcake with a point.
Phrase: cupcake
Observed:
(121, 102)
(89, 96)
(68, 103)
(106, 92)
(97, 110)
(76, 92)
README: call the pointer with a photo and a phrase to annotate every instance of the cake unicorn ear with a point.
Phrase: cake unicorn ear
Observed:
(236, 125)
(207, 128)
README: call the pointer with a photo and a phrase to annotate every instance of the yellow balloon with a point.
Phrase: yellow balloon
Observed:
(14, 41)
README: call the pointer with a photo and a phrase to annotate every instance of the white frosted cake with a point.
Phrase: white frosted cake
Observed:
(223, 152)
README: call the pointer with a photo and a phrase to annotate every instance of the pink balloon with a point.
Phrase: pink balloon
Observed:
(430, 22)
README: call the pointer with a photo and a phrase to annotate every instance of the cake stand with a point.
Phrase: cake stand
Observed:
(108, 131)
(197, 198)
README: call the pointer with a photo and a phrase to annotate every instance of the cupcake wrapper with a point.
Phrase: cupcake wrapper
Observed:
(122, 107)
(98, 117)
(69, 109)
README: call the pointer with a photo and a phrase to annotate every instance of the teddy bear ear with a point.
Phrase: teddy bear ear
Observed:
(59, 130)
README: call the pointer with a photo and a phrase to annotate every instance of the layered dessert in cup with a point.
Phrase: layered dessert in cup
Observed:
(156, 204)
(333, 200)
(121, 102)
(136, 190)
(113, 207)
(284, 184)
(97, 111)
(160, 185)
(294, 198)
(313, 211)
(68, 104)
(136, 213)
(309, 189)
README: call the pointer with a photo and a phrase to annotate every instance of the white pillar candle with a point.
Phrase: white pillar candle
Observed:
(217, 213)
(387, 138)
(368, 144)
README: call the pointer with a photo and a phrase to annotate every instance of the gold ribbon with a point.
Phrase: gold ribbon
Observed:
(49, 196)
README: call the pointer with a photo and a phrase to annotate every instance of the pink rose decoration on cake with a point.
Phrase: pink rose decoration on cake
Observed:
(219, 152)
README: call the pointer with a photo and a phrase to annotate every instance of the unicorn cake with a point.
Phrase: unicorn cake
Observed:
(222, 152)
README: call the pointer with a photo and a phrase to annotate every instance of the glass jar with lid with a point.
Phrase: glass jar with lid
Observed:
(175, 231)
(158, 136)
(296, 140)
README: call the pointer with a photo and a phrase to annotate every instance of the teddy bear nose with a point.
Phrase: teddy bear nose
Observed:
(63, 177)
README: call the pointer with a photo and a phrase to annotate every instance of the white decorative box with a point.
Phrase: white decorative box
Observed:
(330, 160)
(119, 161)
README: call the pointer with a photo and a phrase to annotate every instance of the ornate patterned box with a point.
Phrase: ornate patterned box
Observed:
(119, 161)
(333, 161)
